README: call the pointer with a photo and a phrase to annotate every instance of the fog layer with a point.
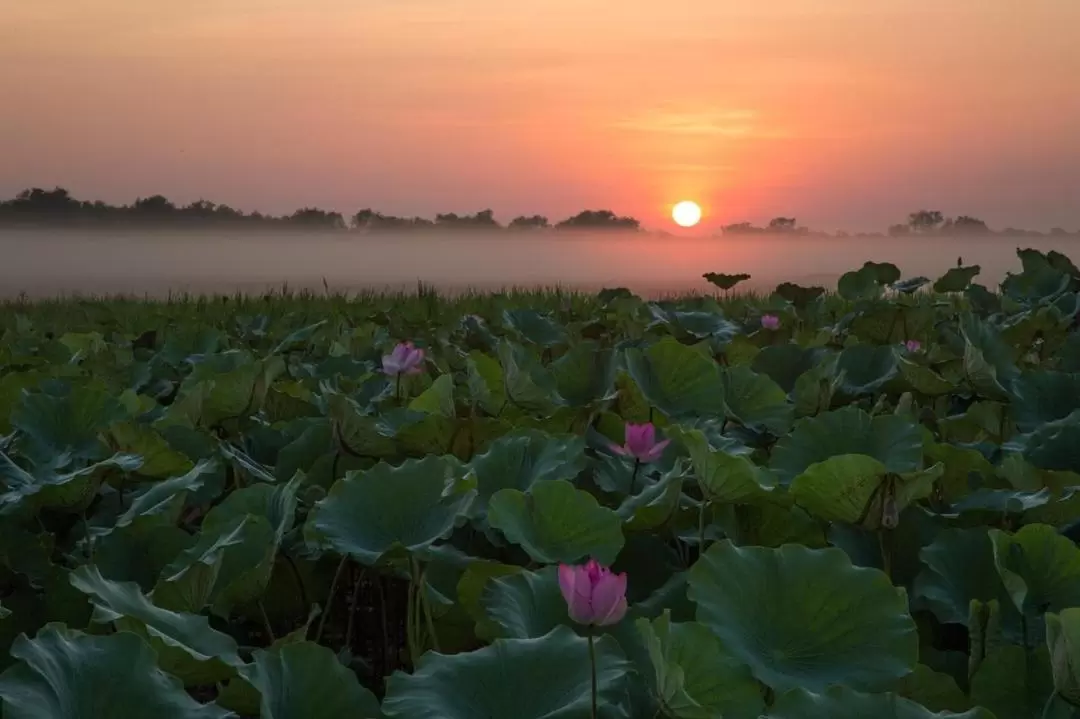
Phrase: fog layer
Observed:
(44, 264)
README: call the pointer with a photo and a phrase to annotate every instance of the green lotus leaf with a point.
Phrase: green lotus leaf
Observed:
(1055, 445)
(694, 677)
(1013, 683)
(923, 379)
(936, 691)
(1044, 396)
(535, 327)
(816, 387)
(911, 284)
(963, 467)
(221, 570)
(585, 374)
(725, 282)
(891, 439)
(958, 568)
(521, 459)
(159, 458)
(225, 387)
(526, 605)
(722, 476)
(556, 522)
(656, 504)
(487, 387)
(67, 419)
(187, 646)
(861, 284)
(437, 399)
(677, 379)
(63, 674)
(886, 272)
(139, 552)
(370, 513)
(755, 401)
(771, 525)
(696, 324)
(1035, 285)
(988, 361)
(68, 491)
(785, 362)
(845, 703)
(354, 433)
(1040, 568)
(866, 368)
(797, 294)
(804, 617)
(542, 678)
(313, 442)
(470, 591)
(1063, 644)
(956, 279)
(163, 501)
(857, 489)
(528, 385)
(304, 680)
(277, 503)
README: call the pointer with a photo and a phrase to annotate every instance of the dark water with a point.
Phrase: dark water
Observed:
(42, 264)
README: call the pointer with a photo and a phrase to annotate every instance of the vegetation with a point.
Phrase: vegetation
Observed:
(845, 505)
(58, 208)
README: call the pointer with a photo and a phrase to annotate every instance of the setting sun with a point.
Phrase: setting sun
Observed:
(686, 213)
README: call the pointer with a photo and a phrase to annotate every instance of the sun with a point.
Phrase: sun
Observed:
(686, 213)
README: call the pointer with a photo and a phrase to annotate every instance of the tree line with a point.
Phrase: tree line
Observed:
(57, 207)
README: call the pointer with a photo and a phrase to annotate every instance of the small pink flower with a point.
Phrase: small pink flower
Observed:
(913, 345)
(593, 594)
(641, 443)
(405, 359)
(770, 322)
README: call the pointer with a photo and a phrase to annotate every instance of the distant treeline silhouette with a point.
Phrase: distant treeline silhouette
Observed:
(58, 208)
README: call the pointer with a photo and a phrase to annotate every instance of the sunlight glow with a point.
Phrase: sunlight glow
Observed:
(686, 213)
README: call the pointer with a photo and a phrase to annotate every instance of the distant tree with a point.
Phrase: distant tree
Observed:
(315, 218)
(741, 228)
(483, 220)
(925, 221)
(599, 220)
(969, 226)
(899, 230)
(155, 205)
(782, 224)
(535, 222)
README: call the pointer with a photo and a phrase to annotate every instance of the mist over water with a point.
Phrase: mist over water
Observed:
(43, 263)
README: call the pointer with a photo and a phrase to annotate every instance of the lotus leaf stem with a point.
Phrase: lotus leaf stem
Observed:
(330, 598)
(592, 669)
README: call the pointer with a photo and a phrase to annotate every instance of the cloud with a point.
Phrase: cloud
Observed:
(728, 123)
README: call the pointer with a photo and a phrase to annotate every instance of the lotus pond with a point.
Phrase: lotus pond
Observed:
(806, 505)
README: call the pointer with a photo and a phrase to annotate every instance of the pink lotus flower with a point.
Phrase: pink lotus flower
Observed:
(641, 443)
(913, 345)
(770, 322)
(593, 594)
(405, 359)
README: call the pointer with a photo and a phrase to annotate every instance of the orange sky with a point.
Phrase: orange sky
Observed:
(844, 113)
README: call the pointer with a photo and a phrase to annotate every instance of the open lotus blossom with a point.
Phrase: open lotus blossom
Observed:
(770, 322)
(641, 443)
(913, 345)
(593, 593)
(405, 359)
